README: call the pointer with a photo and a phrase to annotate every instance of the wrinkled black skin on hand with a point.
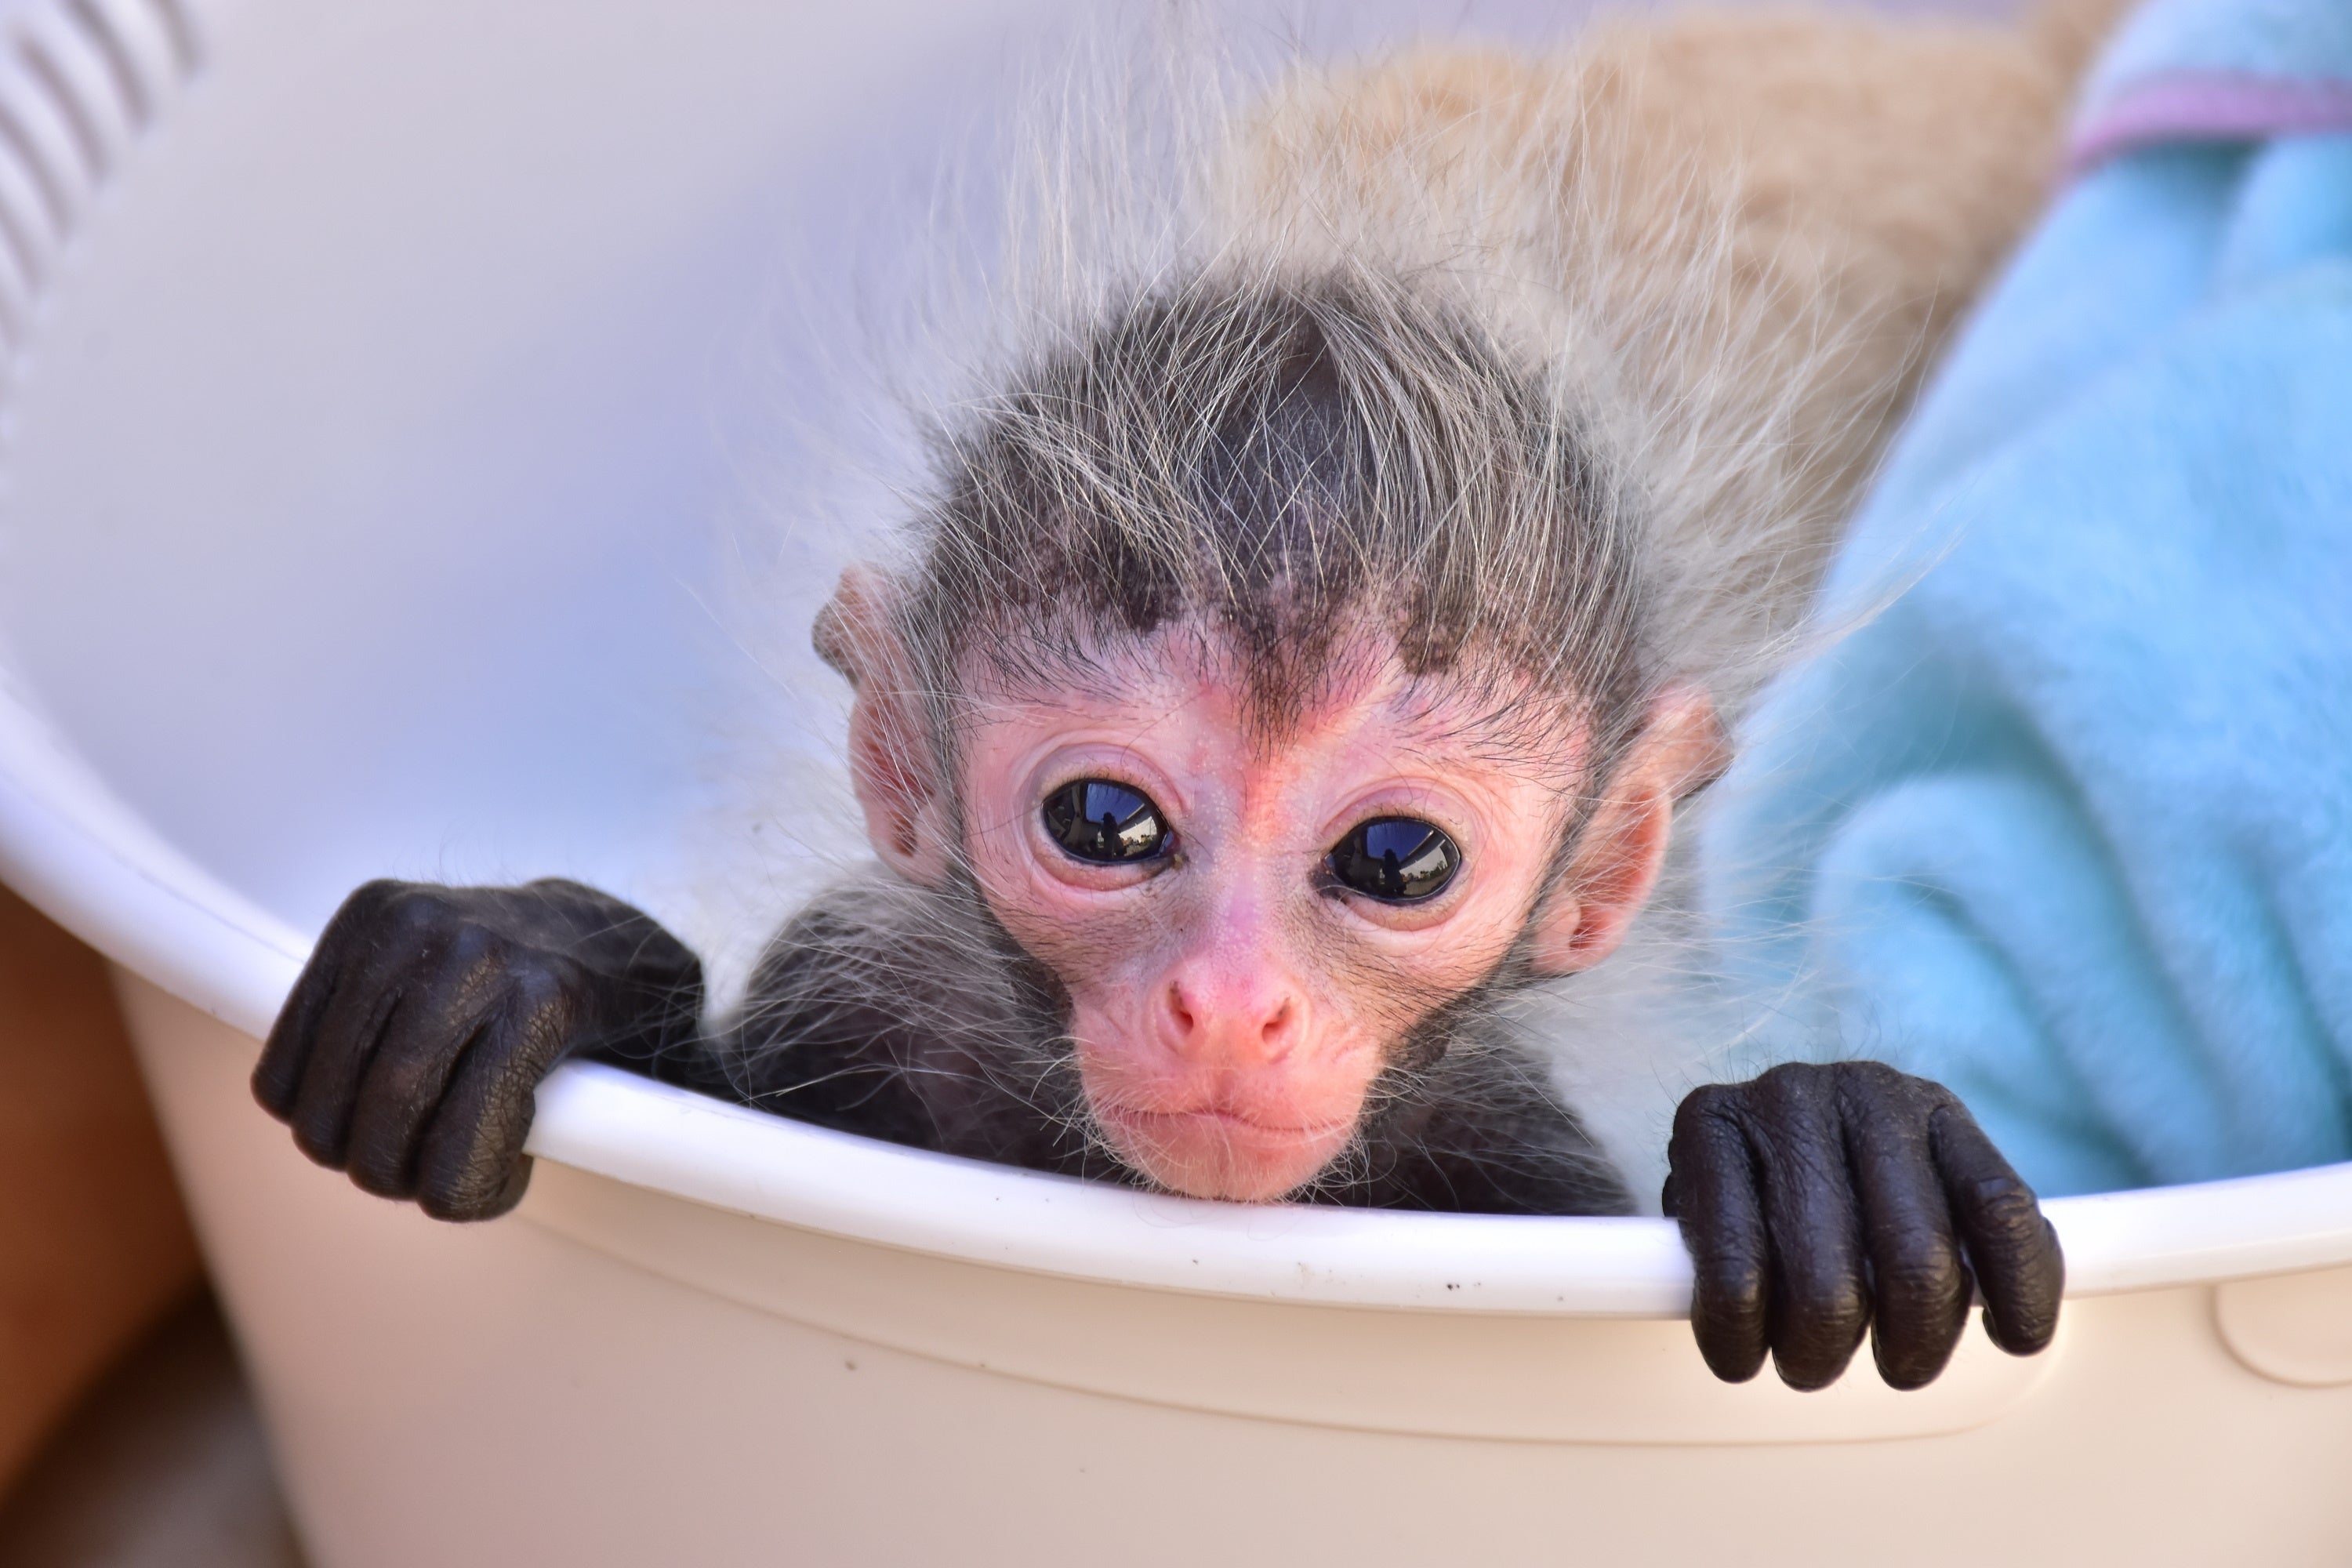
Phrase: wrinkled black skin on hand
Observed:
(1817, 1202)
(409, 1050)
(1821, 1201)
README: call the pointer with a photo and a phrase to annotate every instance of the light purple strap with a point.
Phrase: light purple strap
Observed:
(2207, 106)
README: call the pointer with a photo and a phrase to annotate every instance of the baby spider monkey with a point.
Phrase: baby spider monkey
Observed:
(1304, 652)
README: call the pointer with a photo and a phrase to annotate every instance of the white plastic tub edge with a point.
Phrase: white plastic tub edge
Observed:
(87, 861)
(92, 866)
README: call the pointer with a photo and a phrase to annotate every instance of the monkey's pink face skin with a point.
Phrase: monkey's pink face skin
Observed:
(1231, 1002)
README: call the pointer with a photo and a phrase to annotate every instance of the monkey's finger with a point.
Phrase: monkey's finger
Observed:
(277, 1077)
(1821, 1299)
(342, 946)
(444, 1015)
(2018, 1261)
(471, 1166)
(393, 942)
(1711, 1193)
(355, 1020)
(1919, 1283)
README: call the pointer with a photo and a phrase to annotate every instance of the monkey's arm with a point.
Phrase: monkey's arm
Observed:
(411, 1044)
(410, 1048)
(1819, 1201)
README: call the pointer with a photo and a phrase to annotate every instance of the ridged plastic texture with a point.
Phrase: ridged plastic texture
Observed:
(80, 82)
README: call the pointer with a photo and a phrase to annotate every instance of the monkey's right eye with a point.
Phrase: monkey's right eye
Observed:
(1097, 820)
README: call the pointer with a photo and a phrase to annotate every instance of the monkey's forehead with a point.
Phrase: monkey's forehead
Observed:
(1360, 683)
(1284, 450)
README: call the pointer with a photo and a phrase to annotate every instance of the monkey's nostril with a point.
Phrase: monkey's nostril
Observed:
(1178, 1010)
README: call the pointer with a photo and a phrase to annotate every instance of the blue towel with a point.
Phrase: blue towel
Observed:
(2068, 824)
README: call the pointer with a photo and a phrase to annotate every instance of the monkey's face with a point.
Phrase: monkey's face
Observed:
(1250, 916)
(1249, 919)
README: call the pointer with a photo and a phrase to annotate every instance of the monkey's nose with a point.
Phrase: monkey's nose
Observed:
(1253, 1024)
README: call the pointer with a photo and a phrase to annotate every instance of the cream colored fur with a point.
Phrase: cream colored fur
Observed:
(1735, 239)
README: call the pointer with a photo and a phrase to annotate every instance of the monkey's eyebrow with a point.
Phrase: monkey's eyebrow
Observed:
(1058, 681)
(1526, 729)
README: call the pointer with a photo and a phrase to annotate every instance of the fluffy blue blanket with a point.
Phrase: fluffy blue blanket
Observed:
(2068, 824)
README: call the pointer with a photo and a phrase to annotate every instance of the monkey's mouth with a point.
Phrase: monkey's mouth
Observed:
(1216, 1151)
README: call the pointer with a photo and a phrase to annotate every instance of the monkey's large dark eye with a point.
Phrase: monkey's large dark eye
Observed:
(1096, 819)
(1395, 859)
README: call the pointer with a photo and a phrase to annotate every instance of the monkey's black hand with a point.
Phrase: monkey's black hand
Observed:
(1819, 1201)
(409, 1050)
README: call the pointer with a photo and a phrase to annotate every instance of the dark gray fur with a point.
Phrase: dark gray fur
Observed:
(1286, 462)
(1301, 469)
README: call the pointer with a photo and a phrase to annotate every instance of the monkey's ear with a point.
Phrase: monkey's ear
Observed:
(1681, 748)
(892, 763)
(853, 631)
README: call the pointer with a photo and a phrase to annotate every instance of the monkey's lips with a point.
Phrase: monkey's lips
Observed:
(1215, 1150)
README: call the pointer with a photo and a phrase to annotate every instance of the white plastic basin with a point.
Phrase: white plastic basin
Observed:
(373, 372)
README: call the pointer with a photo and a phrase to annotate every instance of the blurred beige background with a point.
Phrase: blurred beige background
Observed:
(127, 1439)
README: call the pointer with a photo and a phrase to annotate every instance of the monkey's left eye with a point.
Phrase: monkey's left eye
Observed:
(1096, 819)
(1397, 859)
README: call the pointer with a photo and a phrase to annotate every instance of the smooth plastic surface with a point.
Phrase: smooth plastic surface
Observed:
(602, 1119)
(620, 1376)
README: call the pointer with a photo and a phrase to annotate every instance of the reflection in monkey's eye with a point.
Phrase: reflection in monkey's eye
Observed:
(1096, 819)
(1395, 859)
